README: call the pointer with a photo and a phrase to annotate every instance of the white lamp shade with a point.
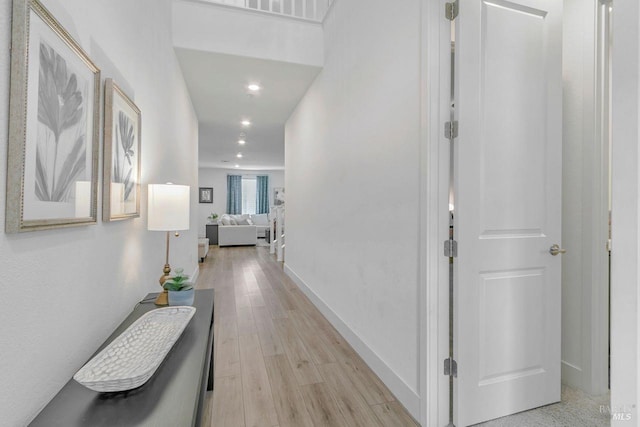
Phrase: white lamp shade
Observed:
(168, 207)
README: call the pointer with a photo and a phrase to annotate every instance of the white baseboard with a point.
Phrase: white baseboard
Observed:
(405, 395)
(572, 375)
(195, 274)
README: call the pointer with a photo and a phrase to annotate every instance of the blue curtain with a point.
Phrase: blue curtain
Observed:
(234, 194)
(262, 194)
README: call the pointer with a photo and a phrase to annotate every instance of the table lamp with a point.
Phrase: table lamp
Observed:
(168, 210)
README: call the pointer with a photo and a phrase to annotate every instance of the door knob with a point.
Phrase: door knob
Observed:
(555, 250)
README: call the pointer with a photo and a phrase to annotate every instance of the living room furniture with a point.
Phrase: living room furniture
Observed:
(235, 230)
(236, 235)
(203, 248)
(212, 233)
(174, 396)
(261, 221)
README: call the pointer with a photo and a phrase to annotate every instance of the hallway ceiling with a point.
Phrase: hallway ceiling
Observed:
(217, 86)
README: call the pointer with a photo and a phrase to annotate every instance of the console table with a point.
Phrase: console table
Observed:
(174, 396)
(212, 233)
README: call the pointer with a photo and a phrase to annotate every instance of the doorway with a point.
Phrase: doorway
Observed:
(586, 195)
(586, 168)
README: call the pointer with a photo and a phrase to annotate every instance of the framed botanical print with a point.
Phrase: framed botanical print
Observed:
(121, 177)
(206, 195)
(53, 127)
(278, 196)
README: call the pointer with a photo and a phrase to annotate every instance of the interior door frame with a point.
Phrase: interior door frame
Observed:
(435, 62)
(625, 272)
(598, 377)
(586, 163)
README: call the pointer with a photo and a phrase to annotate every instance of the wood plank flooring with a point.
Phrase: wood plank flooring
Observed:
(278, 361)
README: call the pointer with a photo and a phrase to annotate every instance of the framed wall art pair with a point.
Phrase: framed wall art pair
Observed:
(53, 149)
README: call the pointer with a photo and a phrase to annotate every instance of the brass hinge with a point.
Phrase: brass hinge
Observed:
(451, 129)
(450, 367)
(451, 10)
(450, 248)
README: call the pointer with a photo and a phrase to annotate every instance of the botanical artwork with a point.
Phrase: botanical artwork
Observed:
(61, 140)
(123, 165)
(206, 195)
(278, 196)
(122, 155)
(53, 127)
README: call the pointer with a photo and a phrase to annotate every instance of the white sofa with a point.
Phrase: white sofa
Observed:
(235, 230)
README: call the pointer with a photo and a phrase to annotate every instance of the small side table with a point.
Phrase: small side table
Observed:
(212, 233)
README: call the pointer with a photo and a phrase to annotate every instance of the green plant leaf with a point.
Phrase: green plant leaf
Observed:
(178, 282)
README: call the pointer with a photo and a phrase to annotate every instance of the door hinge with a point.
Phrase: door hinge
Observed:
(450, 248)
(451, 129)
(451, 10)
(450, 367)
(609, 245)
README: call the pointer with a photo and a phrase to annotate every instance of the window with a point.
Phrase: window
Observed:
(249, 195)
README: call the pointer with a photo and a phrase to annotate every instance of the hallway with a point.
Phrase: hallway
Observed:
(278, 362)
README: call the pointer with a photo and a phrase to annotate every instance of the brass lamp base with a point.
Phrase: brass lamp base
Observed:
(163, 298)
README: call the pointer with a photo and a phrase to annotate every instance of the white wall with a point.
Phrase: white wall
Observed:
(214, 28)
(217, 178)
(625, 260)
(352, 157)
(65, 290)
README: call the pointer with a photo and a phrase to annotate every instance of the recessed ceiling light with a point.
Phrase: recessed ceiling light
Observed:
(239, 155)
(254, 87)
(241, 141)
(246, 123)
(237, 166)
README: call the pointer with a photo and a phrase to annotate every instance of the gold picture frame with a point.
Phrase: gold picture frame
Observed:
(122, 158)
(52, 173)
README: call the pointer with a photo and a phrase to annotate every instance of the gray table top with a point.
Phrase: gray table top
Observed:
(169, 398)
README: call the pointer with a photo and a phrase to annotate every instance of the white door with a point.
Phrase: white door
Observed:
(507, 206)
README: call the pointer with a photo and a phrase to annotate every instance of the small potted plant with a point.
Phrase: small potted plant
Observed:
(213, 217)
(180, 289)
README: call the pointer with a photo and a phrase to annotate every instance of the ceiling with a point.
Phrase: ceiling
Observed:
(217, 86)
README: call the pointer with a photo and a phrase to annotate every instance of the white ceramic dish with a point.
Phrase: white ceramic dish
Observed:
(132, 358)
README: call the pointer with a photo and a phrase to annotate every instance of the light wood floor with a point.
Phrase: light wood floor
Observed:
(278, 361)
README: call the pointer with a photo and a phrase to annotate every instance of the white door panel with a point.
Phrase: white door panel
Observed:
(508, 201)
